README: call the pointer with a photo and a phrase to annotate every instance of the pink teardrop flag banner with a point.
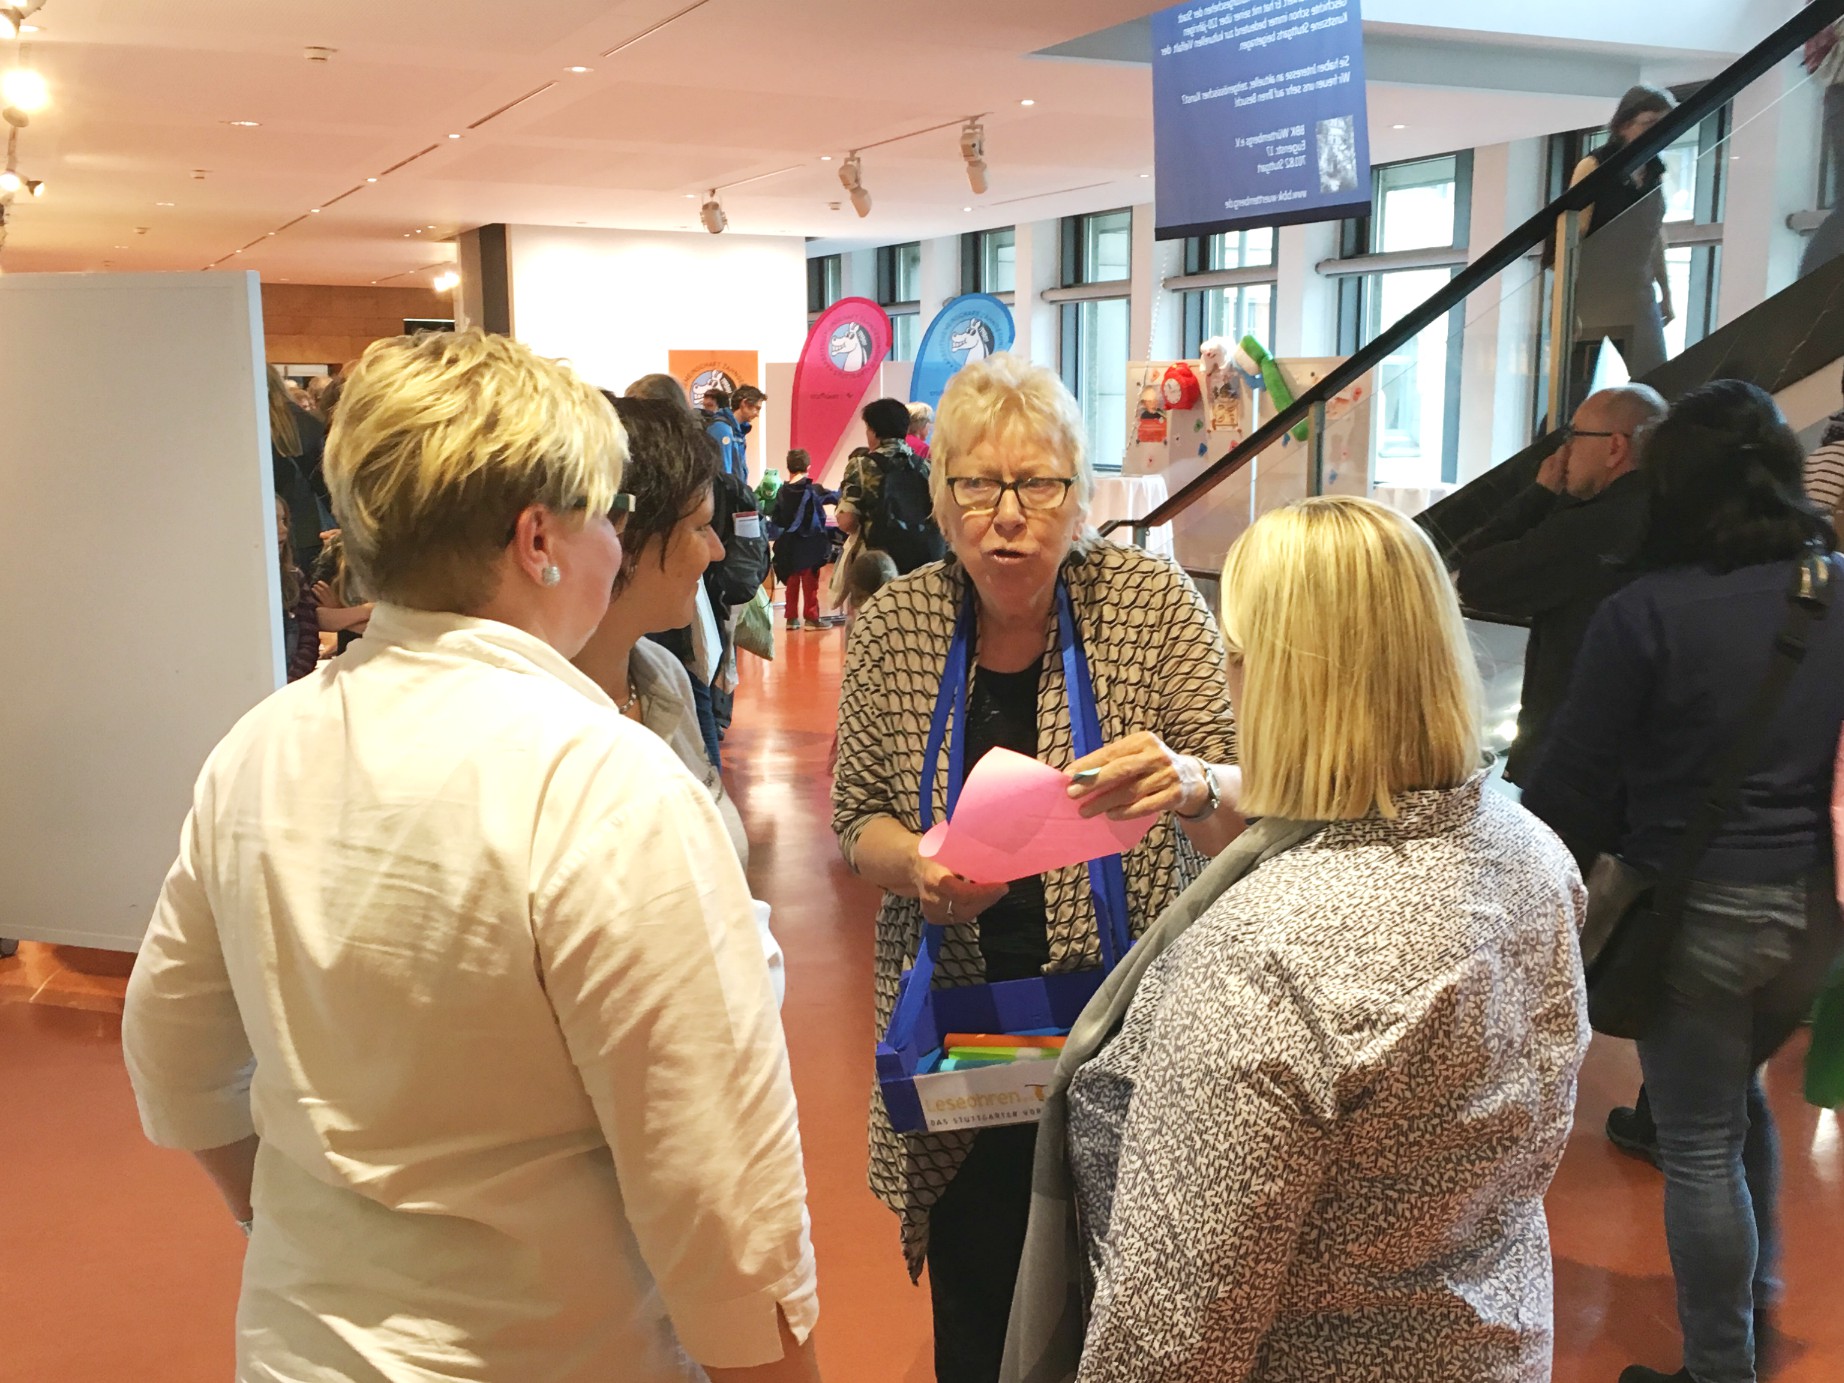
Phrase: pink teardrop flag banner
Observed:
(840, 360)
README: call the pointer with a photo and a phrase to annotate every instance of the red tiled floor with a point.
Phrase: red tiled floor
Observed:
(117, 1263)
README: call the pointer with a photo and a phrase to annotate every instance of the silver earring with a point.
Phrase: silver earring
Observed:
(550, 576)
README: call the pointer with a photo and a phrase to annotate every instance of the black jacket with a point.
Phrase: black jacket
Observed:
(1548, 561)
(736, 576)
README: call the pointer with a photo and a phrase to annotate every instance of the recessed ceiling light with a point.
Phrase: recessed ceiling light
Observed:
(1027, 101)
(1398, 127)
(371, 180)
(1146, 175)
(693, 196)
(454, 136)
(966, 208)
(163, 204)
(579, 70)
(245, 124)
(825, 158)
(271, 232)
(123, 247)
(313, 211)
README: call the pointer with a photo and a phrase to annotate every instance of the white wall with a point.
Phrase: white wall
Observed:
(615, 302)
(141, 614)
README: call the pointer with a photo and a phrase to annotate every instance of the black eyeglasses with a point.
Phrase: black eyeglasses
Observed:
(981, 494)
(1569, 434)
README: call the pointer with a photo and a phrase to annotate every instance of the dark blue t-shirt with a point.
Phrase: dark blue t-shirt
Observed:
(1666, 674)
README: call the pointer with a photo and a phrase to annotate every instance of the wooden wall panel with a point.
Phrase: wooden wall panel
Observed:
(324, 324)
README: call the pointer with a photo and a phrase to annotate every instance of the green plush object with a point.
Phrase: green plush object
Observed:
(1273, 381)
(768, 489)
(1825, 1057)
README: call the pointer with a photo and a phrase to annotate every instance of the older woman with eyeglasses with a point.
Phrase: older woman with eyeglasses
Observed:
(1026, 585)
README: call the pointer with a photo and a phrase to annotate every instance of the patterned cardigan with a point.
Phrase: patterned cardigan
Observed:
(1156, 658)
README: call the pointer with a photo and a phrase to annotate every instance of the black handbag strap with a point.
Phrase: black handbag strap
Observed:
(1807, 602)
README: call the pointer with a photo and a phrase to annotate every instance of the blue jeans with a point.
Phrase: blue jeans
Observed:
(1750, 960)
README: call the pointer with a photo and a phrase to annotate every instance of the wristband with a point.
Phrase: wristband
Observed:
(1216, 797)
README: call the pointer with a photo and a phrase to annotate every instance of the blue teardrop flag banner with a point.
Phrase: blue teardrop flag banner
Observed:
(972, 327)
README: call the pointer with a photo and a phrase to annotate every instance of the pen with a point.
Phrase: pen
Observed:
(1086, 778)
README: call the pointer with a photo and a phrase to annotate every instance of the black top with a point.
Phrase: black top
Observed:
(1668, 670)
(1002, 714)
(1549, 561)
(1626, 194)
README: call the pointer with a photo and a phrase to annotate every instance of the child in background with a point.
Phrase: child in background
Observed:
(802, 545)
(862, 577)
(921, 424)
(300, 615)
(867, 574)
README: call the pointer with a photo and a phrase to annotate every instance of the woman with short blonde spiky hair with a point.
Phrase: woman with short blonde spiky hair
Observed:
(441, 918)
(1309, 1135)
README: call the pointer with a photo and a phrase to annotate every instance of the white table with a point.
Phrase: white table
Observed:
(1132, 497)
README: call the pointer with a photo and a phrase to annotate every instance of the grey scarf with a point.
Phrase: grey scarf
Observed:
(1044, 1342)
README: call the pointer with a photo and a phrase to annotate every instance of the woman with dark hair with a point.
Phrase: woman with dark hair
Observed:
(1618, 272)
(1665, 680)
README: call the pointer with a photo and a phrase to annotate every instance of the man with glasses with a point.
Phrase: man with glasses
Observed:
(1553, 554)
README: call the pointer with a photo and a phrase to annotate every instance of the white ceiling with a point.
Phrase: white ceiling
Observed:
(726, 91)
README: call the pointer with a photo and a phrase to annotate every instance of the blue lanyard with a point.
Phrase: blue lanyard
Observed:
(1107, 878)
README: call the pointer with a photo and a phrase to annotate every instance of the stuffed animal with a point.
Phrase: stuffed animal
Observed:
(1252, 359)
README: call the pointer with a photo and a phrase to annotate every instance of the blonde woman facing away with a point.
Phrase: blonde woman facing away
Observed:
(1309, 1134)
(454, 989)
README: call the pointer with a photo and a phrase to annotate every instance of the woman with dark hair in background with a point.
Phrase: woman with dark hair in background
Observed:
(1618, 273)
(297, 442)
(1664, 683)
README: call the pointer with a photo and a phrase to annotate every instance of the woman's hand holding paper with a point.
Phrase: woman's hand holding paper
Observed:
(1140, 776)
(949, 900)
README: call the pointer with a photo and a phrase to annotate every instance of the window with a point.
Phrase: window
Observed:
(1098, 248)
(899, 290)
(1418, 206)
(1098, 253)
(825, 283)
(989, 261)
(1696, 193)
(1234, 311)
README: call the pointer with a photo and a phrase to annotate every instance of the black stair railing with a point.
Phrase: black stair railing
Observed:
(1789, 38)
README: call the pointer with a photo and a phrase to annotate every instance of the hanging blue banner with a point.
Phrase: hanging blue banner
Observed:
(972, 327)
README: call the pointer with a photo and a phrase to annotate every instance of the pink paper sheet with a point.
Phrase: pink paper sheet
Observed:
(1015, 818)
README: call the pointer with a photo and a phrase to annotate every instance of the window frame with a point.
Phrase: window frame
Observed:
(1074, 272)
(825, 283)
(889, 284)
(1359, 292)
(973, 253)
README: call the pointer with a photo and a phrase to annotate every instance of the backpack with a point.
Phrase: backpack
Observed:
(733, 578)
(903, 519)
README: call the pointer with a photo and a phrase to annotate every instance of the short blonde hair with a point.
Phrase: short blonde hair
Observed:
(441, 441)
(1005, 399)
(1358, 682)
(921, 419)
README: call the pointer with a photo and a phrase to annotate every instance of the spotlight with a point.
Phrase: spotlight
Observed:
(24, 90)
(973, 150)
(712, 214)
(446, 280)
(35, 187)
(10, 182)
(851, 175)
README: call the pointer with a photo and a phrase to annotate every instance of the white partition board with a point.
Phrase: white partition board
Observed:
(140, 610)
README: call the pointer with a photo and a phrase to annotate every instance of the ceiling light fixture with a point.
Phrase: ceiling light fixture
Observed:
(1027, 101)
(245, 124)
(851, 176)
(13, 17)
(825, 158)
(1398, 127)
(313, 211)
(163, 204)
(973, 150)
(23, 93)
(10, 181)
(579, 70)
(454, 136)
(446, 280)
(712, 214)
(35, 187)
